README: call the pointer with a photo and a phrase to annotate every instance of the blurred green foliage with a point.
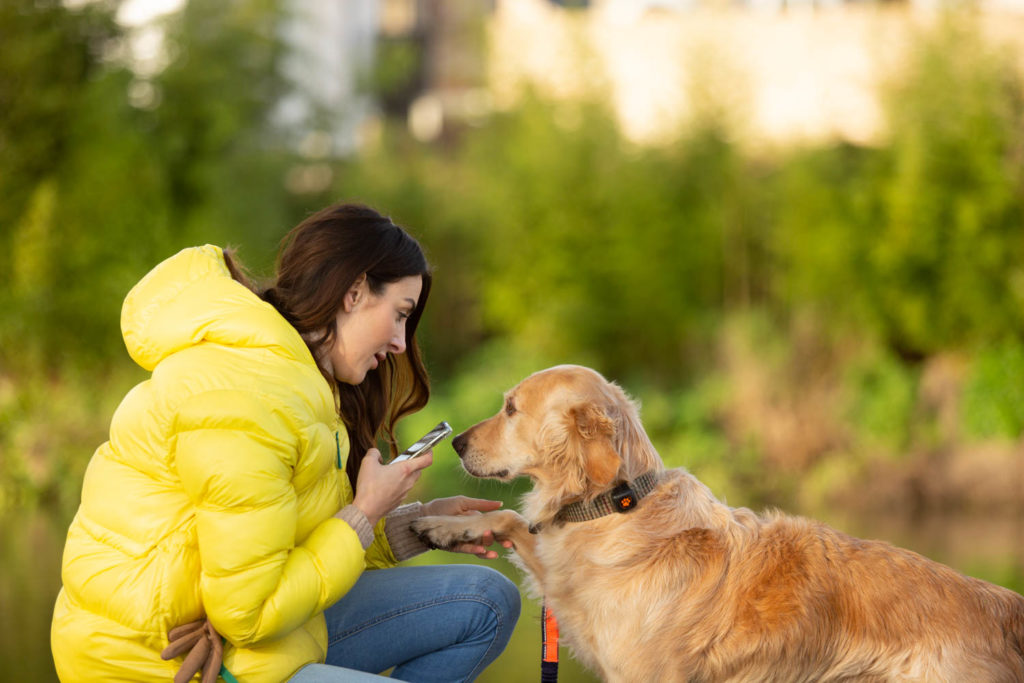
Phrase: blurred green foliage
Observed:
(881, 395)
(108, 171)
(687, 272)
(920, 239)
(994, 395)
(799, 325)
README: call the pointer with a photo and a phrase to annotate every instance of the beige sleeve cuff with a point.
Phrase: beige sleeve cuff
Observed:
(357, 520)
(404, 543)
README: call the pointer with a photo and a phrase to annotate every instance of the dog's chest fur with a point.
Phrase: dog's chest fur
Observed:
(615, 581)
(588, 613)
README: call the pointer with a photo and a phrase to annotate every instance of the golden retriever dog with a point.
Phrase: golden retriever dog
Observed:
(680, 587)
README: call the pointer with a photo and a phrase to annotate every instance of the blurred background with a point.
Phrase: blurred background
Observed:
(793, 230)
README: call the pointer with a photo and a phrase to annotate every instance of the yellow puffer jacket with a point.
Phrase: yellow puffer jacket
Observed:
(215, 493)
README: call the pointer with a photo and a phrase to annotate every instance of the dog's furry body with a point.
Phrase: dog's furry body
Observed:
(684, 588)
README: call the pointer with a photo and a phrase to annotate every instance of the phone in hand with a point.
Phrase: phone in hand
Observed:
(425, 443)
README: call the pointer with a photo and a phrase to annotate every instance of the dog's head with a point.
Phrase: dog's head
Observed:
(568, 429)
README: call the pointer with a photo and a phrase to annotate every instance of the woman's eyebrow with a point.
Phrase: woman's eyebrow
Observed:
(411, 303)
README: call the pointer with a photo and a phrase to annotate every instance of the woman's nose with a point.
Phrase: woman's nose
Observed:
(398, 343)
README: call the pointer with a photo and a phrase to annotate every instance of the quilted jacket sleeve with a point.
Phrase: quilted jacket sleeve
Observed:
(380, 555)
(235, 459)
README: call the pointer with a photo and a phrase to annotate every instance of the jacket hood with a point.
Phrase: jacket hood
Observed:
(191, 298)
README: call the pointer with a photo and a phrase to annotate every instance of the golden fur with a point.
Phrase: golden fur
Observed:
(684, 588)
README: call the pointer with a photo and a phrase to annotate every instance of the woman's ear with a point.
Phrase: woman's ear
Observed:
(593, 432)
(356, 294)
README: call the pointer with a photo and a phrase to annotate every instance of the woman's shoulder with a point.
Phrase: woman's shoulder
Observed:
(246, 380)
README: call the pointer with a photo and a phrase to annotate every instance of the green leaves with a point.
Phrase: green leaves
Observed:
(553, 237)
(99, 188)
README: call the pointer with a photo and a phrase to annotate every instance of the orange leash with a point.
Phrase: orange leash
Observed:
(549, 646)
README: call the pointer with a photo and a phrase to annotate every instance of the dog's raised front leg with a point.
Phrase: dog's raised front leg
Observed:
(446, 532)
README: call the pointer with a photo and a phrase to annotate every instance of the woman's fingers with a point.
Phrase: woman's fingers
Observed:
(461, 505)
(478, 550)
(381, 487)
(481, 549)
(479, 504)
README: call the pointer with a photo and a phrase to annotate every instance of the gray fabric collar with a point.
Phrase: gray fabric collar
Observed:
(622, 498)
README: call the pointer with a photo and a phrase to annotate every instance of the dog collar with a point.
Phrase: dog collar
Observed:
(622, 498)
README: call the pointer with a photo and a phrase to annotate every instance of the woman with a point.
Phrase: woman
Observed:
(227, 492)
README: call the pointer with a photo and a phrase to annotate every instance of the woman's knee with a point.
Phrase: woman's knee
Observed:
(493, 588)
(506, 594)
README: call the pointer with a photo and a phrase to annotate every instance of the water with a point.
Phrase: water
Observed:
(989, 547)
(30, 551)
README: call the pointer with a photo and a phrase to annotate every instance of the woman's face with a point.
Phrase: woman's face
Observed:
(369, 326)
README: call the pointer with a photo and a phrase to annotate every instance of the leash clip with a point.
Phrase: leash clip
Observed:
(623, 497)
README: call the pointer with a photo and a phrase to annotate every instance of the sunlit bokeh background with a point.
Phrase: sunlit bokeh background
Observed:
(793, 230)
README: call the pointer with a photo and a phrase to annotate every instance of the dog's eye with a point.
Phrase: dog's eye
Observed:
(510, 407)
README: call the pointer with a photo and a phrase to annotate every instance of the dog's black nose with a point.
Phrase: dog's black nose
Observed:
(459, 443)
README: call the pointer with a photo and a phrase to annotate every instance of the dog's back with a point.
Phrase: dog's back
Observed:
(830, 606)
(866, 608)
(1013, 627)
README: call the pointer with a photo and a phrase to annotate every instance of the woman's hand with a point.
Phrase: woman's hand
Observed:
(463, 505)
(381, 488)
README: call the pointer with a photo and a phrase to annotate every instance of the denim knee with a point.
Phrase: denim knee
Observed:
(506, 594)
(497, 590)
(503, 603)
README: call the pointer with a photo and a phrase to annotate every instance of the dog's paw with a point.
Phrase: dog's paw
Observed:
(447, 532)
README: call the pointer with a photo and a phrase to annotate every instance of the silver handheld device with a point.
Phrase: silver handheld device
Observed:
(425, 443)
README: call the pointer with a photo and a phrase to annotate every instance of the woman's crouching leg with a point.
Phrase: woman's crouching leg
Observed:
(435, 623)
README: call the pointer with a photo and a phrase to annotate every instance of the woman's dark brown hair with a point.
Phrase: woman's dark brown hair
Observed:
(318, 262)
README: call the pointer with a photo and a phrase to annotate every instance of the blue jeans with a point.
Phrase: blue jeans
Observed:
(437, 623)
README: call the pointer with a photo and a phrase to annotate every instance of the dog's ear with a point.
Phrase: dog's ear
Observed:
(595, 430)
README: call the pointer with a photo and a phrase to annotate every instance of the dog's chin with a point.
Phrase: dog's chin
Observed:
(504, 475)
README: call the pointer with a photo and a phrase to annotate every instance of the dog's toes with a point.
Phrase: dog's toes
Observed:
(438, 532)
(425, 531)
(434, 532)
